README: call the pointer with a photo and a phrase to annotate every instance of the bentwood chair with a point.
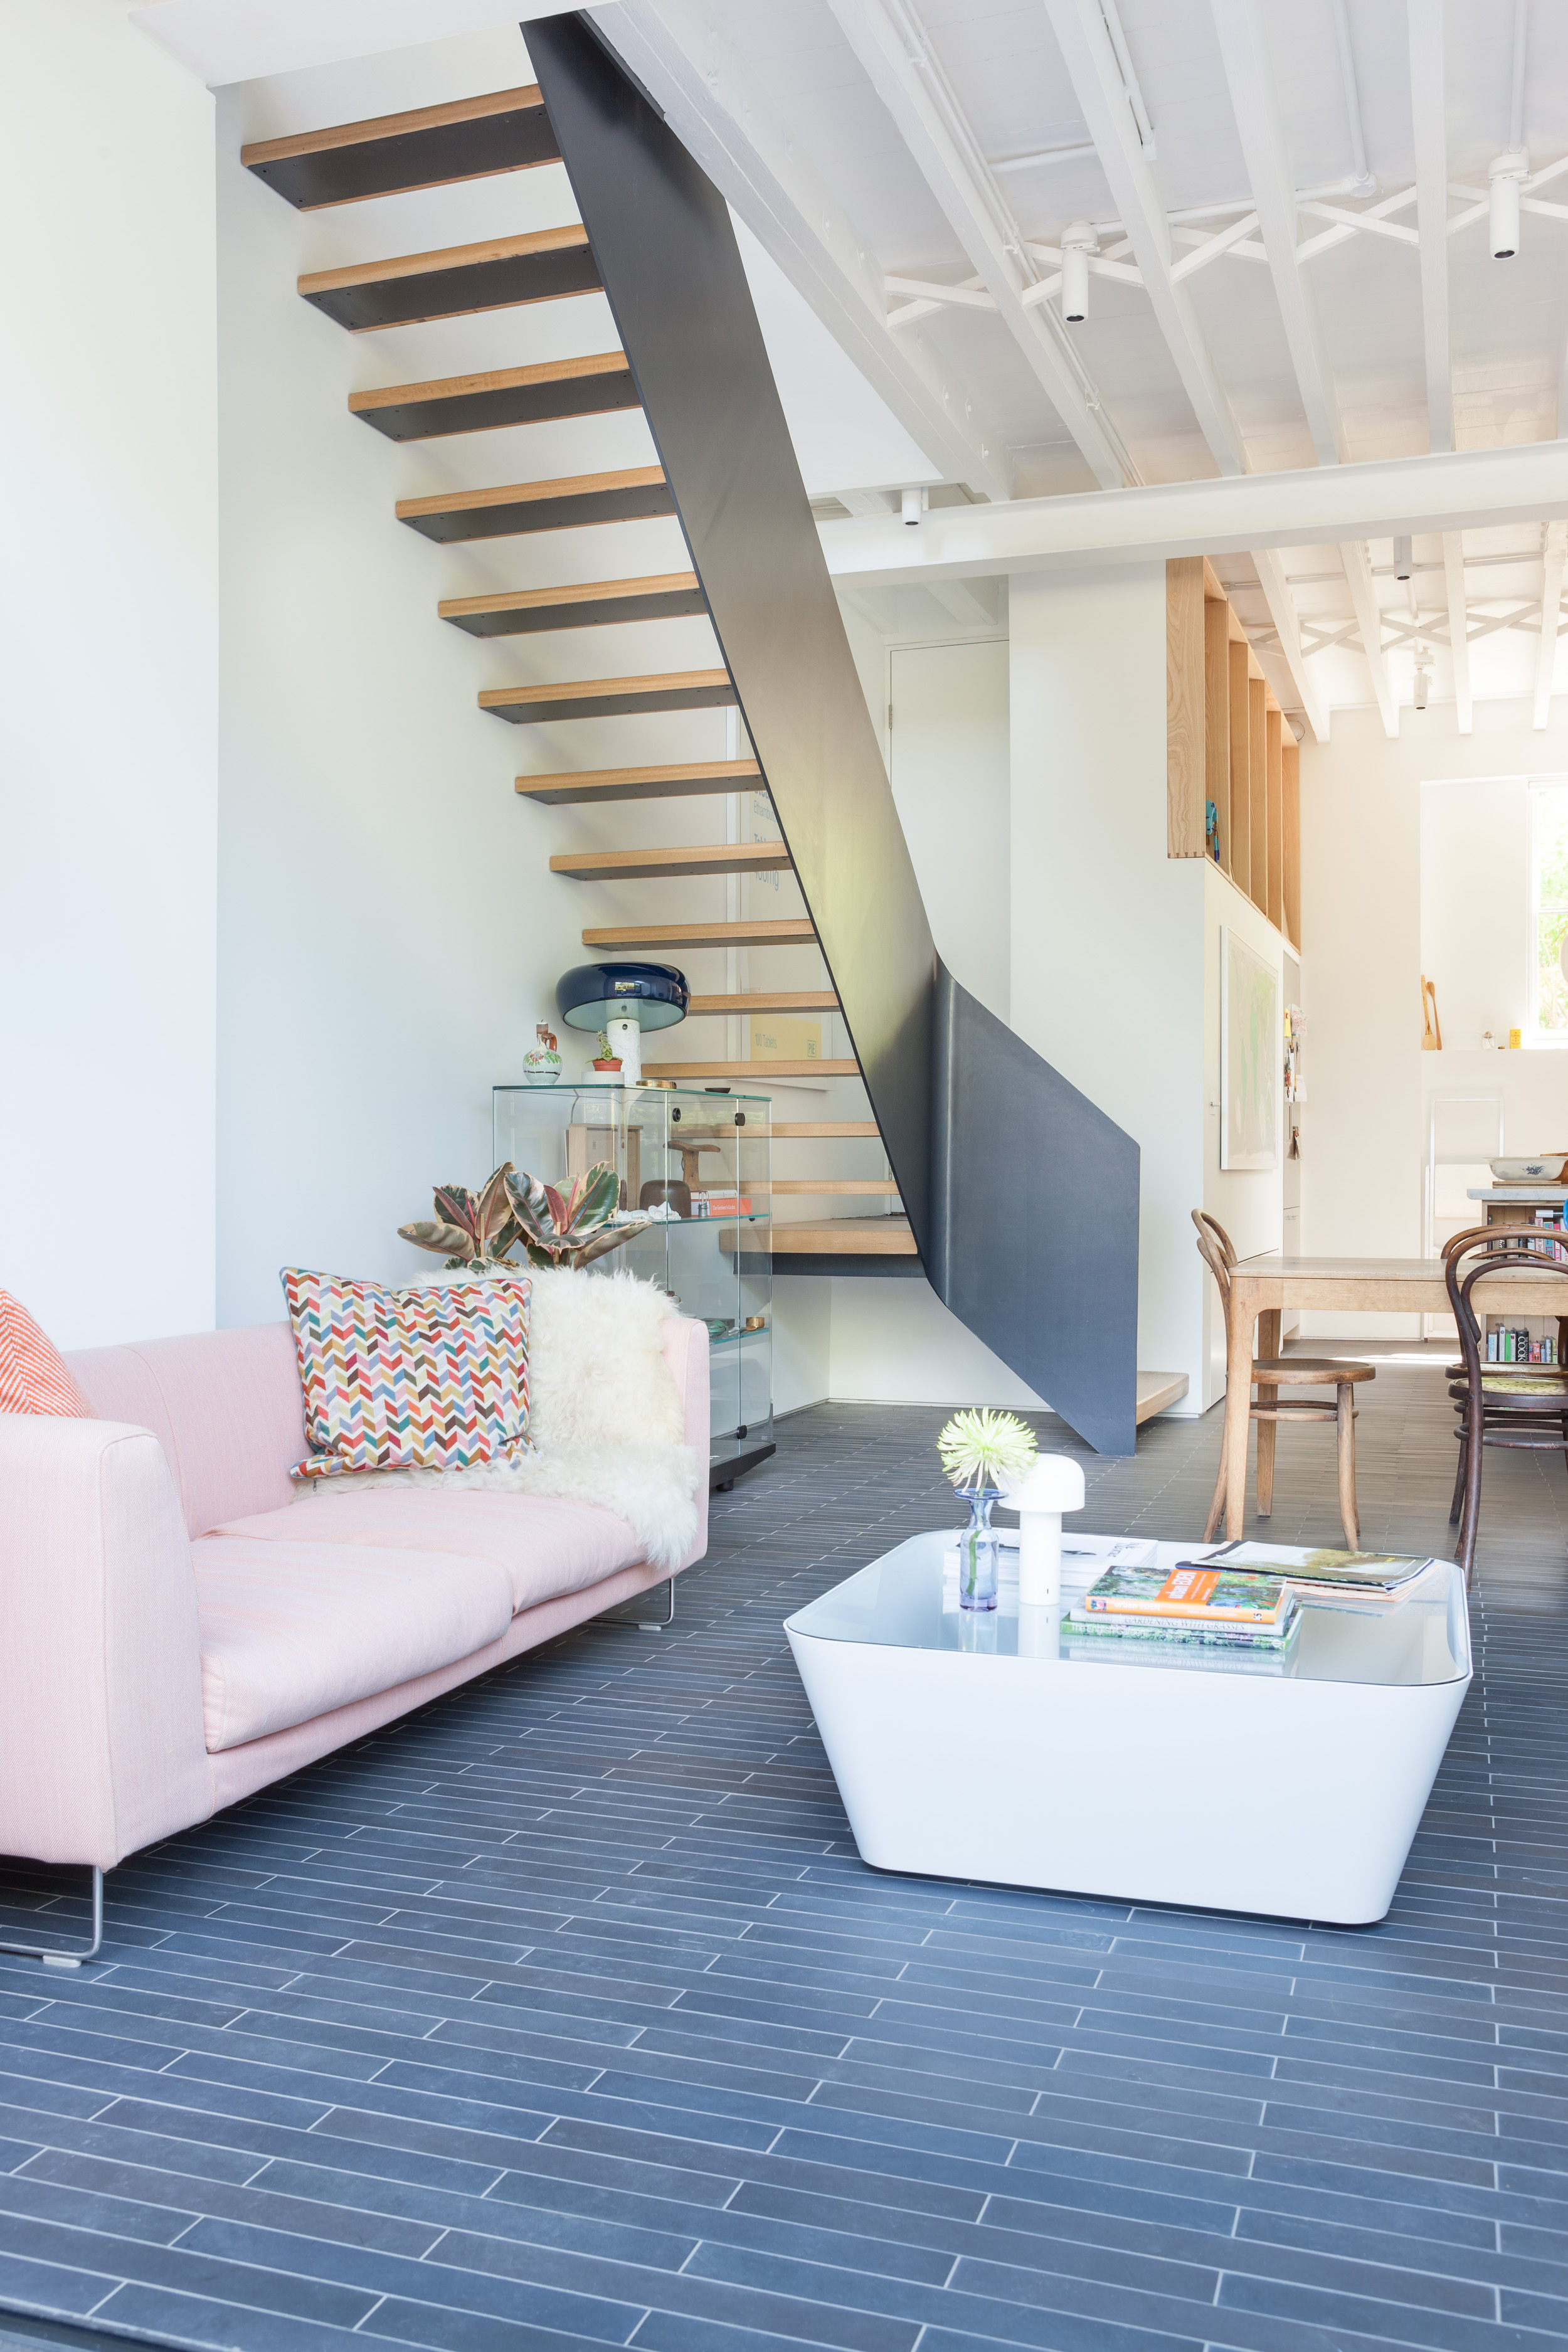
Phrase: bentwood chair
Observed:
(1523, 1407)
(1269, 1374)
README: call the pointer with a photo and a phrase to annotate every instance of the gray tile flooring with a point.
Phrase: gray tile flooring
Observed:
(565, 2014)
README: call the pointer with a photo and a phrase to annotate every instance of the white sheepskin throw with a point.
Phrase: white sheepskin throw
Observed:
(607, 1422)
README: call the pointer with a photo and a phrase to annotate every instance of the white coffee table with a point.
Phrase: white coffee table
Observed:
(972, 1748)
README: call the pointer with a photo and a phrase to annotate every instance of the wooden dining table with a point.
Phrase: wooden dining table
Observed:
(1261, 1288)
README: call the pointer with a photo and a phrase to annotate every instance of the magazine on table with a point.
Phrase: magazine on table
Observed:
(1371, 1580)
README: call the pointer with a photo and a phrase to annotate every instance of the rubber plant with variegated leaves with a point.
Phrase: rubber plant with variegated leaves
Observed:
(472, 1231)
(572, 1227)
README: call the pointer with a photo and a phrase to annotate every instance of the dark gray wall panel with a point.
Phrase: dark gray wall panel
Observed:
(1022, 1197)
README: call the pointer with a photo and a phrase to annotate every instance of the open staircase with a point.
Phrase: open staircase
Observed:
(1015, 1197)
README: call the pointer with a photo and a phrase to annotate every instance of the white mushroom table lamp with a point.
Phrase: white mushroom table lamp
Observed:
(1054, 1484)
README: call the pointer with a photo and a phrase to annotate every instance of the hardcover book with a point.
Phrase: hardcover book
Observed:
(1193, 1592)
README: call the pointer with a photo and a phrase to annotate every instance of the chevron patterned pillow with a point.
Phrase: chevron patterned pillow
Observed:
(34, 1375)
(430, 1379)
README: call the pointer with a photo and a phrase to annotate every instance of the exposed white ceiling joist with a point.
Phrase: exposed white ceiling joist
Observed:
(1239, 26)
(1288, 630)
(1428, 108)
(1515, 485)
(1099, 84)
(1363, 597)
(892, 47)
(1551, 600)
(1459, 628)
(715, 107)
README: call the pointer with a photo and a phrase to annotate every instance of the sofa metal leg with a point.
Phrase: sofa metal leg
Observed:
(658, 1624)
(55, 1959)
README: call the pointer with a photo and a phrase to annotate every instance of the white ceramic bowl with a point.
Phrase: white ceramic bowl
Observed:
(1545, 1170)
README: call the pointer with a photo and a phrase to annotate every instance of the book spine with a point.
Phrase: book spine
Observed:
(1175, 1611)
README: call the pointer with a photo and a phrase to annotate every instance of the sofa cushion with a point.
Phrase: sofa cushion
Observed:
(223, 1405)
(543, 1546)
(34, 1375)
(289, 1630)
(428, 1379)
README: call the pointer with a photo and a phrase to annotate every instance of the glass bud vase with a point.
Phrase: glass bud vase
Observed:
(977, 1550)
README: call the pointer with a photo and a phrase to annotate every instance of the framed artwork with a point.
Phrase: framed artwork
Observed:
(1249, 1056)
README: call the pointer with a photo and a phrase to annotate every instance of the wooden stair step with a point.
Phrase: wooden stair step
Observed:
(813, 1184)
(636, 865)
(612, 697)
(499, 273)
(770, 1000)
(466, 138)
(684, 778)
(596, 603)
(845, 1237)
(775, 932)
(633, 495)
(480, 404)
(819, 1127)
(759, 1071)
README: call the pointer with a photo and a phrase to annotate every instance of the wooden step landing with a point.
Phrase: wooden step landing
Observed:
(845, 1237)
(686, 777)
(633, 495)
(614, 697)
(467, 139)
(597, 603)
(780, 932)
(500, 273)
(478, 404)
(634, 864)
(771, 1000)
(761, 1072)
(1157, 1392)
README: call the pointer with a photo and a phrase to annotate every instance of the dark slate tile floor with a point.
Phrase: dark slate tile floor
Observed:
(565, 2014)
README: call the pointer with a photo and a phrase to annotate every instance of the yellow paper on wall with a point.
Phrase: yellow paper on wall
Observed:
(787, 1040)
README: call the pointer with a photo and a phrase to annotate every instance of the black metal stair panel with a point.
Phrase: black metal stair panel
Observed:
(1023, 1198)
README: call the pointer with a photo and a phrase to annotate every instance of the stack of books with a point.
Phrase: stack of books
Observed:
(1366, 1581)
(1197, 1613)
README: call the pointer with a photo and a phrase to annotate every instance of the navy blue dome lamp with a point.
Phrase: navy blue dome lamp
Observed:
(623, 999)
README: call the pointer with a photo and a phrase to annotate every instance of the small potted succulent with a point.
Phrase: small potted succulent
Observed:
(981, 1453)
(608, 1064)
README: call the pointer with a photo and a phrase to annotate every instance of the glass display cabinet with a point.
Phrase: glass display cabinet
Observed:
(698, 1166)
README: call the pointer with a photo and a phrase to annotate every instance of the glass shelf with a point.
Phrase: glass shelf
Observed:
(673, 1144)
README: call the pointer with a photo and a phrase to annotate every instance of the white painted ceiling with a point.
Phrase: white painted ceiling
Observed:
(803, 109)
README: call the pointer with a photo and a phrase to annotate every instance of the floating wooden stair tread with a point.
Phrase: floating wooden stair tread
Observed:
(499, 273)
(597, 603)
(737, 858)
(813, 1184)
(612, 697)
(778, 931)
(1158, 1391)
(478, 404)
(759, 1071)
(845, 1237)
(771, 1000)
(467, 139)
(630, 496)
(819, 1127)
(595, 784)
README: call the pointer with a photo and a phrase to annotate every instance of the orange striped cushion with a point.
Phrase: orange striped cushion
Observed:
(34, 1375)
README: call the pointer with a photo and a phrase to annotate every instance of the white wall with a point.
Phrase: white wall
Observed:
(108, 683)
(1249, 1202)
(949, 764)
(1109, 932)
(1366, 1076)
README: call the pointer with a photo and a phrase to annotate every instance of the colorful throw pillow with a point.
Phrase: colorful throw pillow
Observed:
(430, 1379)
(34, 1375)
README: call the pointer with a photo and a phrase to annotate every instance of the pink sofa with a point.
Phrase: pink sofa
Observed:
(178, 1630)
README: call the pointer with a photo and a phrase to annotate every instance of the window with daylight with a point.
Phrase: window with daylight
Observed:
(1548, 914)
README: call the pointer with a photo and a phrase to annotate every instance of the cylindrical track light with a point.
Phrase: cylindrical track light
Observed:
(913, 505)
(1077, 242)
(1402, 559)
(1507, 177)
(1423, 677)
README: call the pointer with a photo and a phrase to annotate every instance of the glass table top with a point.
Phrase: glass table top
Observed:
(906, 1601)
